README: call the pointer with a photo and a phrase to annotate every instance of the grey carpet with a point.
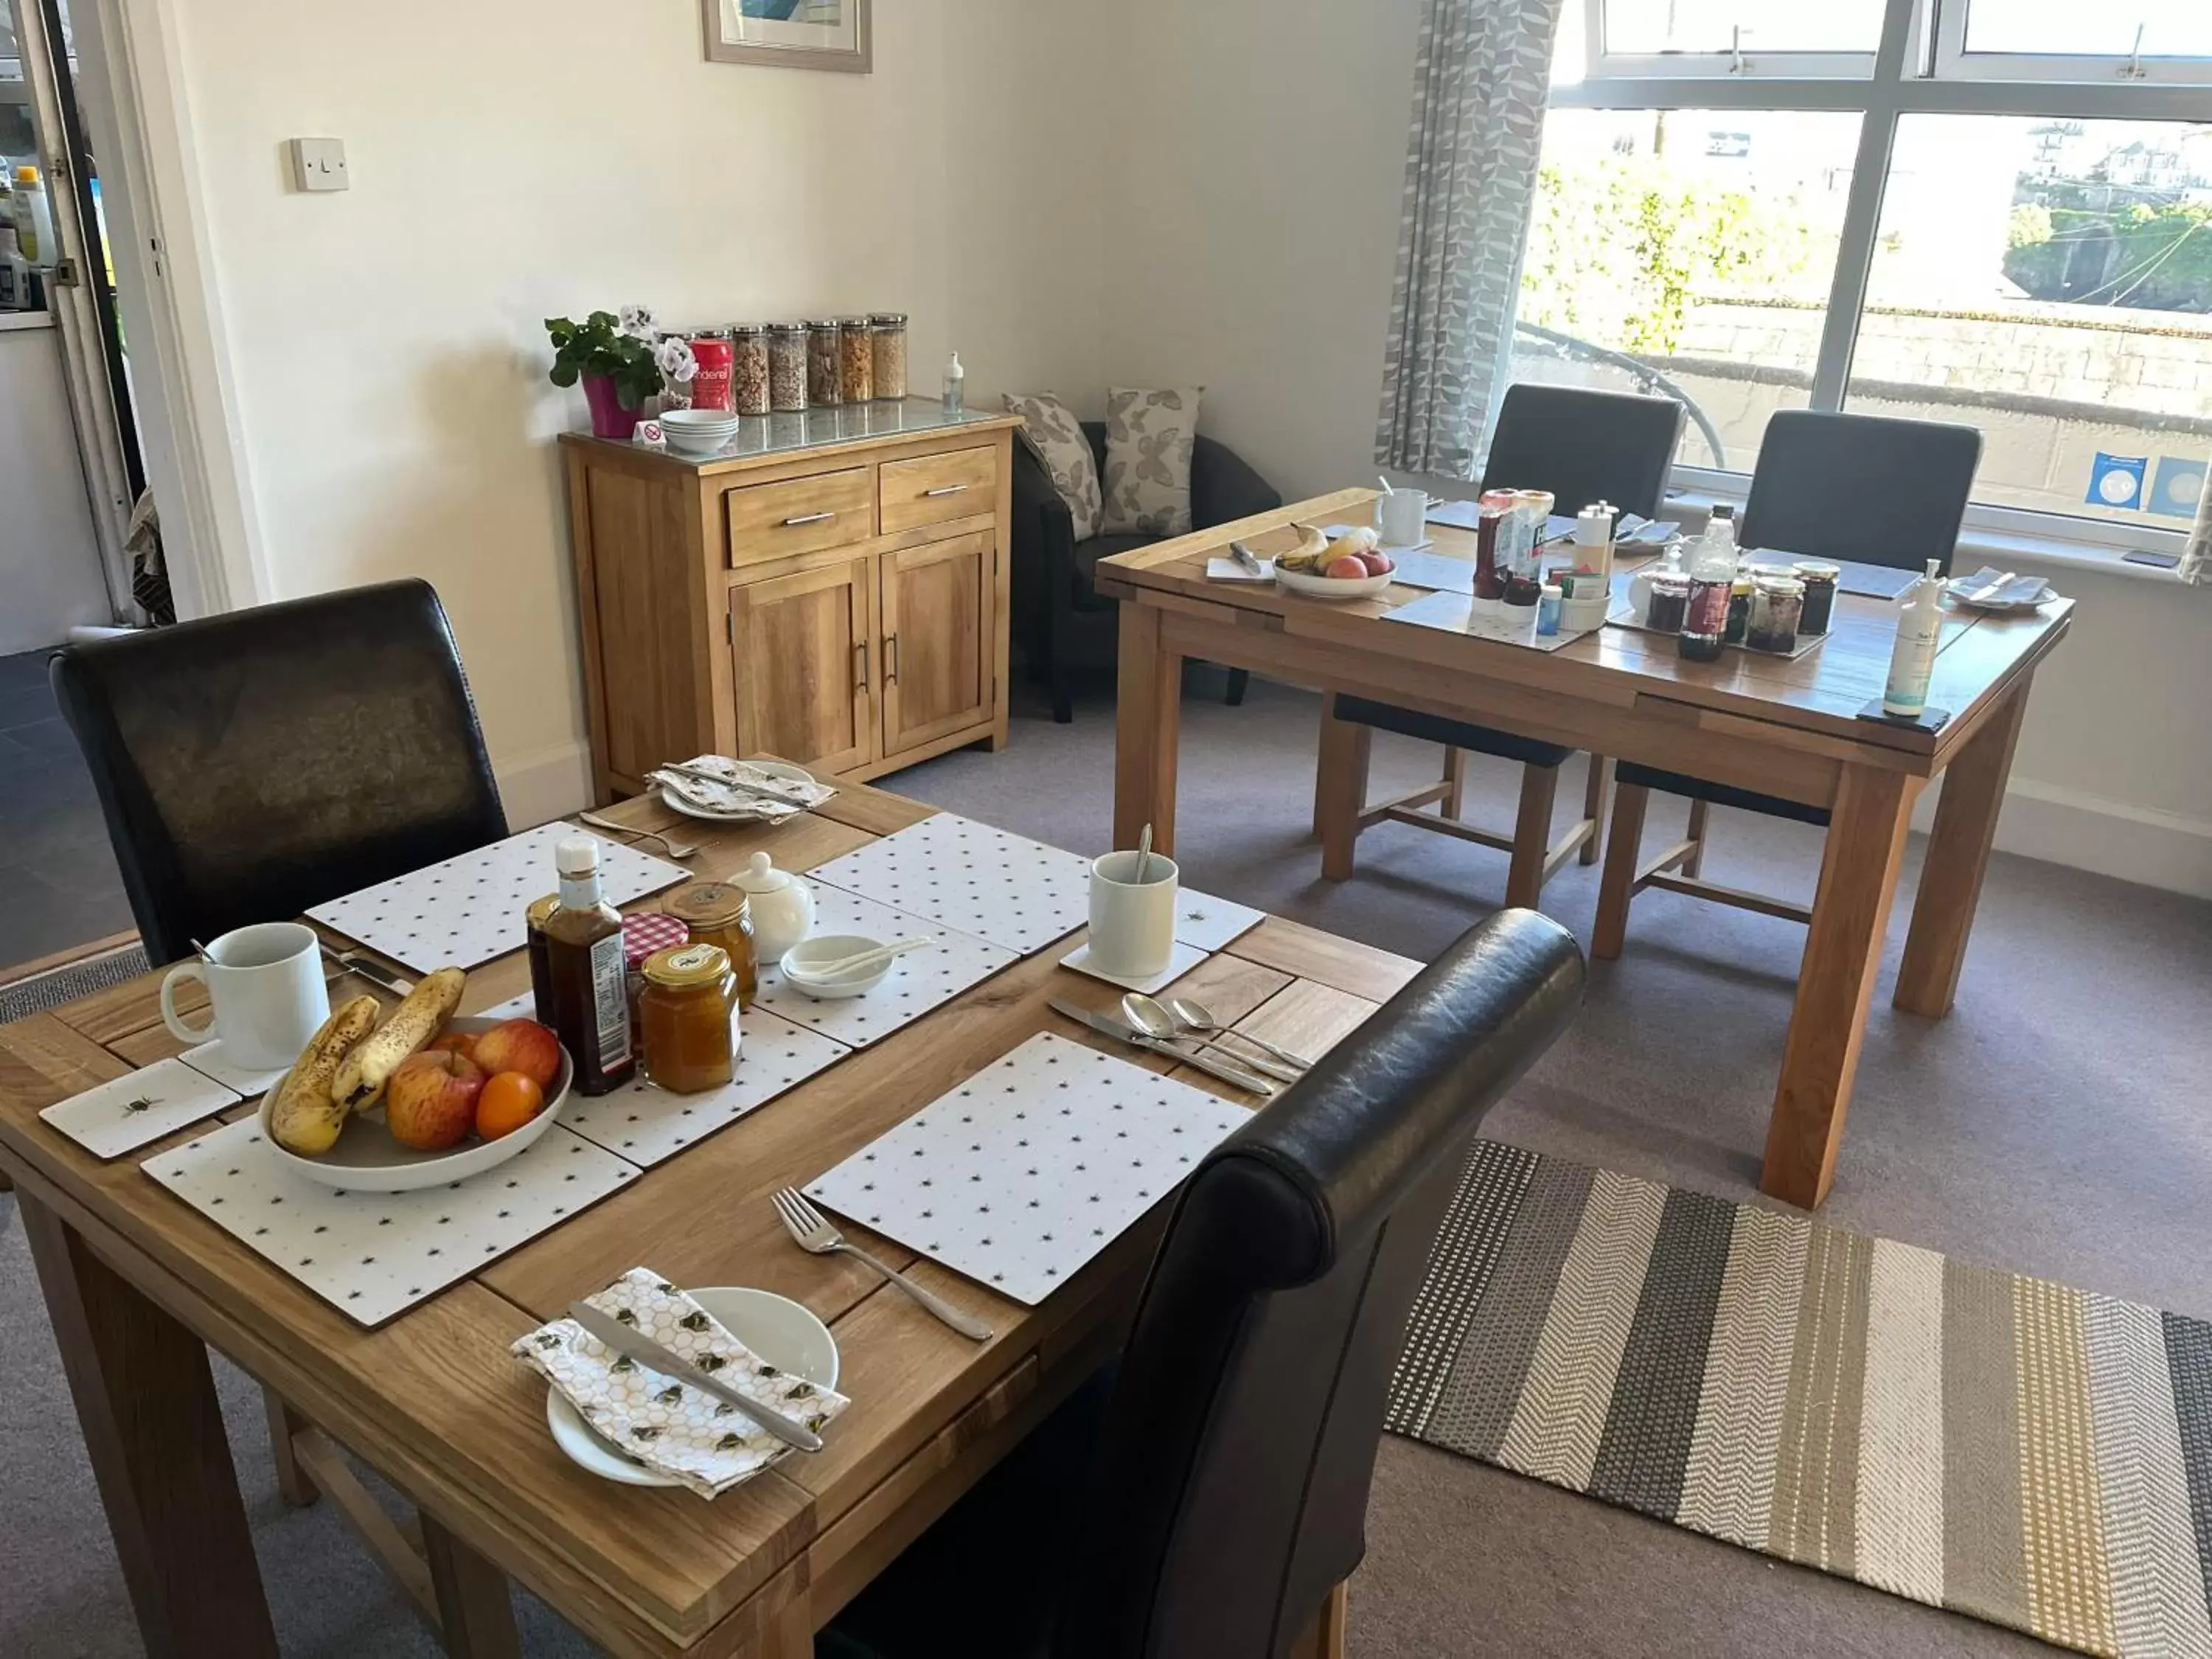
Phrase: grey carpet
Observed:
(20, 998)
(2054, 1125)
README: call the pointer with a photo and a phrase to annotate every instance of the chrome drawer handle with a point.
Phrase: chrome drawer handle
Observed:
(945, 490)
(810, 518)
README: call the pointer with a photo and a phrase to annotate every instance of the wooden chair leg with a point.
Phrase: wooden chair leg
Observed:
(1532, 838)
(1324, 1638)
(1238, 679)
(294, 1483)
(1594, 791)
(1617, 886)
(1455, 781)
(1340, 789)
(1696, 833)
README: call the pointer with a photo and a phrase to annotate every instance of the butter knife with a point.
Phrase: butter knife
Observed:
(627, 1340)
(1227, 1070)
(382, 978)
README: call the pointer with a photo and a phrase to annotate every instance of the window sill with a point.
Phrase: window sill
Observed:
(2002, 547)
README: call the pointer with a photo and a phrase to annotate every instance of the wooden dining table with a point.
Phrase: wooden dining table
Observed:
(1784, 727)
(140, 1287)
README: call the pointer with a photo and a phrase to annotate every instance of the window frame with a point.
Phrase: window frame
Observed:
(1953, 62)
(1904, 81)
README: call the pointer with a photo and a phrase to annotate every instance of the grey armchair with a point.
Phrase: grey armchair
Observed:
(1064, 626)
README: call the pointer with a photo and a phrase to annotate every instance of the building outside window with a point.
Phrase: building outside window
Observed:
(1996, 212)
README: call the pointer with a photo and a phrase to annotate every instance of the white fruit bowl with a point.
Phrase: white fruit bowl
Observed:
(367, 1159)
(1333, 587)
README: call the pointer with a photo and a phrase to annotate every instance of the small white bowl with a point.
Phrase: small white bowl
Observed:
(692, 419)
(1333, 587)
(828, 947)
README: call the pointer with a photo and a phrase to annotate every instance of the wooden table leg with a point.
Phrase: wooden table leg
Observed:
(146, 1401)
(1842, 953)
(1324, 1639)
(1148, 721)
(476, 1616)
(293, 1481)
(1339, 788)
(1958, 856)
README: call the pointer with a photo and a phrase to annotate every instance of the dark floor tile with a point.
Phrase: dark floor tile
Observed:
(26, 705)
(49, 736)
(86, 863)
(24, 668)
(40, 919)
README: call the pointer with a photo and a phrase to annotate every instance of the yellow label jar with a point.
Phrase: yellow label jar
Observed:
(686, 1017)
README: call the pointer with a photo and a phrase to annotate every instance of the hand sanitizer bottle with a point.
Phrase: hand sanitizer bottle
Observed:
(1912, 659)
(956, 387)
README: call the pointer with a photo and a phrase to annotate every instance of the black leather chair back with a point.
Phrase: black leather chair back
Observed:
(1584, 446)
(1861, 486)
(1241, 1436)
(253, 764)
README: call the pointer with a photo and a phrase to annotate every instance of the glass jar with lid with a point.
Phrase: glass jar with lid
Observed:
(1819, 578)
(687, 1019)
(856, 358)
(1670, 602)
(749, 368)
(720, 913)
(824, 372)
(1778, 604)
(887, 341)
(786, 367)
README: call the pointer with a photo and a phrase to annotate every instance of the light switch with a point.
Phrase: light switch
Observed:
(321, 164)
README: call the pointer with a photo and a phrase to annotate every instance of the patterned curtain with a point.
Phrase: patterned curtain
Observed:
(2197, 558)
(1479, 92)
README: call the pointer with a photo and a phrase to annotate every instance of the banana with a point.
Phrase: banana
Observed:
(303, 1117)
(1311, 552)
(415, 1022)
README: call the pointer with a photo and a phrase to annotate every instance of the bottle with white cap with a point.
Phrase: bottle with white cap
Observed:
(586, 974)
(1912, 659)
(956, 387)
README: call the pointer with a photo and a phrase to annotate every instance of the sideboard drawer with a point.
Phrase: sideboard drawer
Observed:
(962, 484)
(798, 515)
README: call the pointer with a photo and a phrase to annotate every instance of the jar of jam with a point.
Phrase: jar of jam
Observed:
(721, 915)
(687, 1019)
(1776, 604)
(1670, 602)
(1819, 578)
(1739, 610)
(533, 934)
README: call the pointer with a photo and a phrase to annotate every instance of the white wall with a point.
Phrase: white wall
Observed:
(1252, 242)
(510, 164)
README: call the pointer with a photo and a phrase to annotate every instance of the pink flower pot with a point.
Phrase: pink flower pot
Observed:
(609, 418)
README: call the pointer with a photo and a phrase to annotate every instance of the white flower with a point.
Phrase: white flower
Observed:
(637, 322)
(673, 355)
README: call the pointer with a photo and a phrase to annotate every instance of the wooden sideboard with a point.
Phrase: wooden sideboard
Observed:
(833, 591)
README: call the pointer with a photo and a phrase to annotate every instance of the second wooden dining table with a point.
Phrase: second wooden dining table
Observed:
(1779, 727)
(139, 1286)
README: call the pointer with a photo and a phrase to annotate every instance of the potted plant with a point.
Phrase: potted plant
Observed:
(621, 361)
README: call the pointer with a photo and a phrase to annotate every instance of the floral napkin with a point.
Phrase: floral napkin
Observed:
(671, 1427)
(715, 783)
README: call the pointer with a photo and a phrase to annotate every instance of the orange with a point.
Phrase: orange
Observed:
(509, 1100)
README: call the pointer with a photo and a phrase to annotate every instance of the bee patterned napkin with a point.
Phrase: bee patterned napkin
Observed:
(671, 1427)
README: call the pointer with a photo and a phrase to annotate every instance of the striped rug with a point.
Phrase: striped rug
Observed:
(2033, 1454)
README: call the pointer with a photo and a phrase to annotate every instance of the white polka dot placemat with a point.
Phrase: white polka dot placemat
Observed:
(1021, 1174)
(372, 1255)
(917, 983)
(1018, 893)
(645, 1123)
(468, 910)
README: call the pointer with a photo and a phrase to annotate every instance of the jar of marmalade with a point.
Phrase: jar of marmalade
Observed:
(687, 1019)
(719, 913)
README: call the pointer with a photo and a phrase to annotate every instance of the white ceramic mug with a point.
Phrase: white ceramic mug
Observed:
(1133, 922)
(1403, 517)
(266, 983)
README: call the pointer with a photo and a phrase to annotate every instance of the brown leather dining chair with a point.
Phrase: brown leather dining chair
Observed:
(1583, 447)
(1205, 1497)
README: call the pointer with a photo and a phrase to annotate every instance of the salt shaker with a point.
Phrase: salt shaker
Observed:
(782, 907)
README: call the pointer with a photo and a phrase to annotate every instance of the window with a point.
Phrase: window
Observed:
(1995, 212)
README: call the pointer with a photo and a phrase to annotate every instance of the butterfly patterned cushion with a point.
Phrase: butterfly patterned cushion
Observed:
(671, 1427)
(1150, 435)
(1055, 436)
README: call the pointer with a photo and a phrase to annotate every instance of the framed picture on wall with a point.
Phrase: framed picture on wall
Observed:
(821, 34)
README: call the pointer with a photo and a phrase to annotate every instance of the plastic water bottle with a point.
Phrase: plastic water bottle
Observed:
(1712, 580)
(956, 387)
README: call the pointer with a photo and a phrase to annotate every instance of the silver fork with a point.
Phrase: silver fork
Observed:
(810, 1231)
(675, 849)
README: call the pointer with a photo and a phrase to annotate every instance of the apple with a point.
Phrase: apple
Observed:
(1378, 563)
(1348, 568)
(431, 1102)
(463, 1043)
(521, 1045)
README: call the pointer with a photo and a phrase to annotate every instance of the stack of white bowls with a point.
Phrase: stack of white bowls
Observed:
(695, 434)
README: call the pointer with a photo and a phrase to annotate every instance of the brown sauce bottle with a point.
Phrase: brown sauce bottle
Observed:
(587, 975)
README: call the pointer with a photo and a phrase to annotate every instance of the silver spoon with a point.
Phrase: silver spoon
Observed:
(1151, 1016)
(1195, 1017)
(1144, 854)
(675, 849)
